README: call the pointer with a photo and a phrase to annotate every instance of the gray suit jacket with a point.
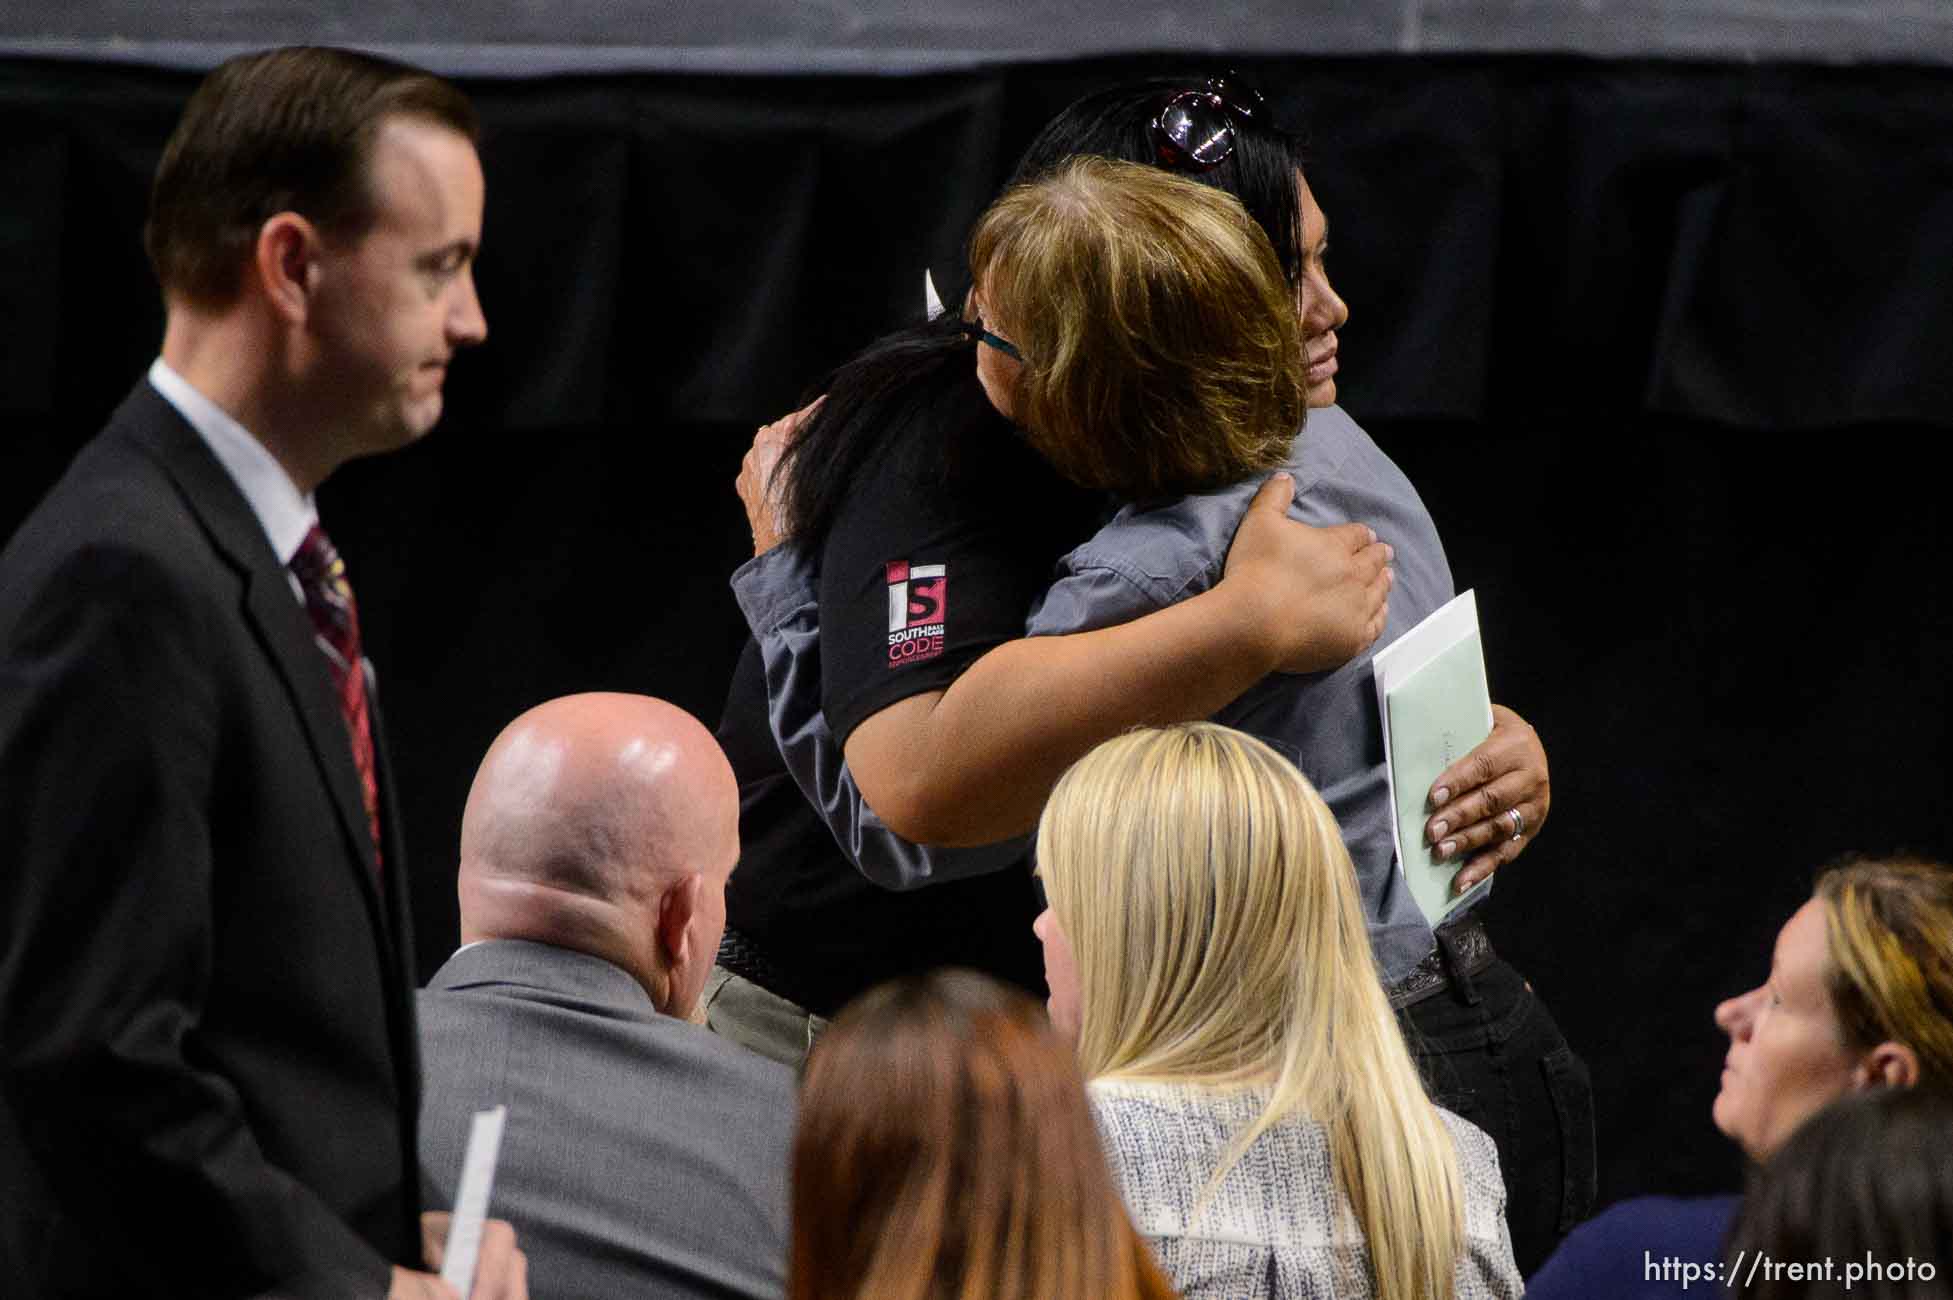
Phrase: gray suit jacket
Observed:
(643, 1156)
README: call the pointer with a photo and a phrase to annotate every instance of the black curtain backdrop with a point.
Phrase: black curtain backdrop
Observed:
(527, 38)
(1664, 346)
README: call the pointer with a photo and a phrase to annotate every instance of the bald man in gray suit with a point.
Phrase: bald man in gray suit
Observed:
(644, 1155)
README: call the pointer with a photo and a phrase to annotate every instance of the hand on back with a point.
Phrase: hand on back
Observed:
(1317, 595)
(757, 485)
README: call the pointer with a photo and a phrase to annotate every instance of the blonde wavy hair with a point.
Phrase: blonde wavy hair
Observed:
(1162, 354)
(1889, 935)
(1213, 917)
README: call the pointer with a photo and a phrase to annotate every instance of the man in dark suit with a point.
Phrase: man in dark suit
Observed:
(644, 1155)
(209, 1078)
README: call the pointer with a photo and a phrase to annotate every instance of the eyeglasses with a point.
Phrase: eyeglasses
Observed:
(975, 329)
(1195, 129)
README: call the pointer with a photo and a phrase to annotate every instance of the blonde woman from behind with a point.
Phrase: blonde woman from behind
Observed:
(1260, 1109)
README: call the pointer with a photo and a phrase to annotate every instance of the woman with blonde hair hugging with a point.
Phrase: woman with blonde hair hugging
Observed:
(1261, 1112)
(945, 1152)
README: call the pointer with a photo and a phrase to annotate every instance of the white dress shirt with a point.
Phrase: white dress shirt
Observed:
(285, 513)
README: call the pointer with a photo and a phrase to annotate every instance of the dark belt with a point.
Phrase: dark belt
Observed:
(1471, 952)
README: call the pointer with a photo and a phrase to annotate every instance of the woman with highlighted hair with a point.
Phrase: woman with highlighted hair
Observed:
(1859, 997)
(1264, 1120)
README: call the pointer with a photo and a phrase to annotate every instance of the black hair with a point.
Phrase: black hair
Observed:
(1867, 1181)
(1117, 123)
(925, 372)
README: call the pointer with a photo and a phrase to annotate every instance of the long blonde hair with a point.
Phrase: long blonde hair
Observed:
(946, 1151)
(1213, 916)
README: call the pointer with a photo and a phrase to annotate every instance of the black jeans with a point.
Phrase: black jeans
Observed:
(1489, 1051)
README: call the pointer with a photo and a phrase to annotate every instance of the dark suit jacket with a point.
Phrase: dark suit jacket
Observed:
(643, 1157)
(209, 1079)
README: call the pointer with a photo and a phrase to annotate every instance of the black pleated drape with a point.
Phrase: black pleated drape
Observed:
(1666, 348)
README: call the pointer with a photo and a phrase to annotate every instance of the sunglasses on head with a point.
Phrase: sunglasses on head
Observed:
(1194, 130)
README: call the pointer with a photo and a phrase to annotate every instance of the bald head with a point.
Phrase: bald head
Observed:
(608, 824)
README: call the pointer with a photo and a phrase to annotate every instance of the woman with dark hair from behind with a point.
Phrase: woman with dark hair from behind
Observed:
(1860, 1198)
(946, 1152)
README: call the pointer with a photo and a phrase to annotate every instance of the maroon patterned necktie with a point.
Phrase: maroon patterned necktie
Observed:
(335, 626)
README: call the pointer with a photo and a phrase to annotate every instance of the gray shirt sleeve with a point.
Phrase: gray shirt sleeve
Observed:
(1141, 561)
(1092, 592)
(778, 594)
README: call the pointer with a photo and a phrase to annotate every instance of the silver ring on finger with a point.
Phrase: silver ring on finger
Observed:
(1518, 822)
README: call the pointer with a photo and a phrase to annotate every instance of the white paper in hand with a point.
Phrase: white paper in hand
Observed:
(471, 1200)
(1434, 705)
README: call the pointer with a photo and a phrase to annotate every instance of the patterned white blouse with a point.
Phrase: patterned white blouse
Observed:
(1278, 1228)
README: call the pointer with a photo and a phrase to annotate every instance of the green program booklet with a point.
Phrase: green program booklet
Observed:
(1435, 705)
